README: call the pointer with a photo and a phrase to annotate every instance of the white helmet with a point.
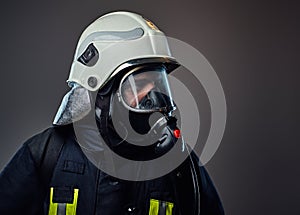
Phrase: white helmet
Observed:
(110, 42)
(109, 45)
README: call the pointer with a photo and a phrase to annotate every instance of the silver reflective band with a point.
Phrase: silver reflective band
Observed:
(111, 36)
(63, 208)
(158, 207)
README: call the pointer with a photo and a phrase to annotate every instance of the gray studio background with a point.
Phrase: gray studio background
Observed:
(252, 45)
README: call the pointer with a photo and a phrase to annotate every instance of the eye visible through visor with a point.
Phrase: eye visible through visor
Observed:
(146, 89)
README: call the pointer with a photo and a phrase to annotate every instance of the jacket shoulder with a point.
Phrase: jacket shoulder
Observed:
(38, 143)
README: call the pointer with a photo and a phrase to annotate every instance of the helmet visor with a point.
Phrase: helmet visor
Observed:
(146, 90)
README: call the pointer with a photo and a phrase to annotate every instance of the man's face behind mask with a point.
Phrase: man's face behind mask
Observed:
(146, 90)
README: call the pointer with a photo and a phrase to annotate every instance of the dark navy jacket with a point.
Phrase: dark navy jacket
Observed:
(24, 191)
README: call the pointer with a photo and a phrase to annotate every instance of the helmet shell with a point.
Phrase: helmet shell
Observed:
(118, 37)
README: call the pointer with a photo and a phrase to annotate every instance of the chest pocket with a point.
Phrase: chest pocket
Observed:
(63, 201)
(158, 207)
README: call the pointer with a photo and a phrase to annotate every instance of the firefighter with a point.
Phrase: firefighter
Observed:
(119, 106)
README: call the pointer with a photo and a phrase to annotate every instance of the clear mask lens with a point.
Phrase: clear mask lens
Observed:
(146, 90)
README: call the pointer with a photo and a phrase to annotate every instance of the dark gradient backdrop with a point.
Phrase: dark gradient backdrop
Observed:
(252, 45)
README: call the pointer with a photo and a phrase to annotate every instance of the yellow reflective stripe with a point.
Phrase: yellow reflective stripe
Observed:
(169, 208)
(155, 210)
(70, 207)
(52, 206)
(154, 207)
